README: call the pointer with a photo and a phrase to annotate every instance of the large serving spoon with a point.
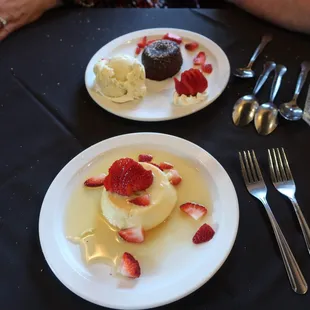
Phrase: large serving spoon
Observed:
(266, 117)
(290, 110)
(247, 71)
(246, 106)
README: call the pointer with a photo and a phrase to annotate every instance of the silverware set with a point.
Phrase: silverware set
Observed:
(265, 116)
(283, 181)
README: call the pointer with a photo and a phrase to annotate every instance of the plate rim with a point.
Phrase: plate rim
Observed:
(159, 119)
(204, 280)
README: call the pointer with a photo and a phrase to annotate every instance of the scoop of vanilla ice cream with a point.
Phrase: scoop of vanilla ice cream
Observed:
(120, 78)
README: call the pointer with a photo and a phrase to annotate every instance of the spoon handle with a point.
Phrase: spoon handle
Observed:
(269, 66)
(276, 83)
(265, 40)
(305, 67)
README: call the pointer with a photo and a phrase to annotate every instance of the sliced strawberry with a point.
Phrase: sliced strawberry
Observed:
(200, 59)
(191, 46)
(202, 82)
(126, 176)
(142, 201)
(129, 266)
(195, 210)
(174, 177)
(204, 233)
(156, 165)
(150, 42)
(165, 166)
(95, 181)
(132, 235)
(172, 37)
(180, 88)
(142, 43)
(190, 82)
(207, 68)
(145, 158)
(138, 50)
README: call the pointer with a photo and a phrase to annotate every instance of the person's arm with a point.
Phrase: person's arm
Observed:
(291, 14)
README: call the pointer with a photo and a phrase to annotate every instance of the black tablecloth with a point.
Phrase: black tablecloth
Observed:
(47, 117)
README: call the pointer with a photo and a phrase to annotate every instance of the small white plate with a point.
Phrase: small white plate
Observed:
(158, 105)
(171, 281)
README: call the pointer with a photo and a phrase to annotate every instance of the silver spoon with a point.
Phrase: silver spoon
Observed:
(266, 117)
(290, 110)
(247, 72)
(246, 106)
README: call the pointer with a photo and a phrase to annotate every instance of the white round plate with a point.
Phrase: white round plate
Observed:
(158, 105)
(171, 281)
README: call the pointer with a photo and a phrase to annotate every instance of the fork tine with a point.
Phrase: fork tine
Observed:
(258, 171)
(243, 170)
(275, 160)
(271, 168)
(286, 165)
(247, 166)
(282, 171)
(255, 178)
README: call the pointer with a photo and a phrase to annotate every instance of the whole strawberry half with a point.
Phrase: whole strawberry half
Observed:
(204, 233)
(126, 176)
(129, 266)
(191, 46)
(192, 82)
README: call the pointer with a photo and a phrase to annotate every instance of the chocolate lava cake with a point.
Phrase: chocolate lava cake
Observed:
(162, 59)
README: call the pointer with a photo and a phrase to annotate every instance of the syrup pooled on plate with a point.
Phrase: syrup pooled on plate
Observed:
(100, 242)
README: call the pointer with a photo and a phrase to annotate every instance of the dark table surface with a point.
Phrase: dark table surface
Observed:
(47, 117)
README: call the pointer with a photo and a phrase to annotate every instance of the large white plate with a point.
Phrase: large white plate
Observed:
(168, 284)
(157, 104)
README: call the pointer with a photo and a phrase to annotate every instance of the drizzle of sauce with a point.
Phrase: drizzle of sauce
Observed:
(99, 241)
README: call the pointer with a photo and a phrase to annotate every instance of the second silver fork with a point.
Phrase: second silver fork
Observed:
(283, 181)
(256, 186)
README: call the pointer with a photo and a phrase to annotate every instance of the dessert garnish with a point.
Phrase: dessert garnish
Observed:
(95, 181)
(162, 59)
(142, 201)
(172, 37)
(145, 158)
(200, 58)
(192, 46)
(156, 166)
(129, 266)
(204, 233)
(195, 210)
(174, 177)
(126, 176)
(143, 42)
(132, 235)
(207, 68)
(165, 166)
(192, 82)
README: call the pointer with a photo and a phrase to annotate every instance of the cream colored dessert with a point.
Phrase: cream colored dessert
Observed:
(120, 78)
(122, 214)
(99, 240)
(189, 100)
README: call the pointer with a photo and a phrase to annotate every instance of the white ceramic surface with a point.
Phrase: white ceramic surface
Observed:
(170, 281)
(158, 105)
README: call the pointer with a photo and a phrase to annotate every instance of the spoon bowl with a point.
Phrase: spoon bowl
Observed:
(266, 118)
(244, 73)
(244, 110)
(291, 111)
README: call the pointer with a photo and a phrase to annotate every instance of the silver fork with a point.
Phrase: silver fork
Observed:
(256, 186)
(283, 181)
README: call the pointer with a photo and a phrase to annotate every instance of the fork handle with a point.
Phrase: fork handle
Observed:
(296, 278)
(302, 222)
